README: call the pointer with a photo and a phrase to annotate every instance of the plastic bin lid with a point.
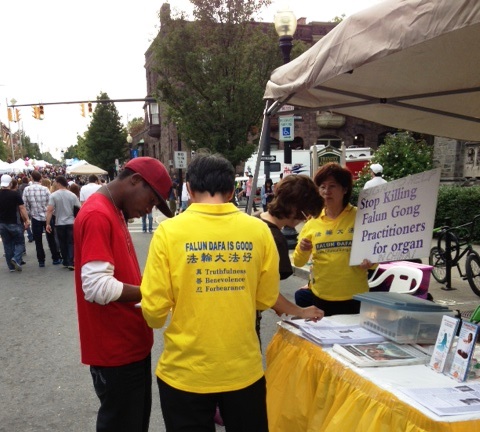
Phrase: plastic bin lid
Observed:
(400, 302)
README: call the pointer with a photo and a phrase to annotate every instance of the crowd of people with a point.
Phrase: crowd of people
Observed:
(210, 272)
(50, 202)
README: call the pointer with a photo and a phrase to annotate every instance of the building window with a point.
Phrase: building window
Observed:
(329, 140)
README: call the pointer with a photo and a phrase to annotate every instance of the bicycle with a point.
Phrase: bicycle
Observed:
(453, 244)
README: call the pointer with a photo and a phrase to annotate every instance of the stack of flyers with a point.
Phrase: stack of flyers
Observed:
(463, 351)
(446, 335)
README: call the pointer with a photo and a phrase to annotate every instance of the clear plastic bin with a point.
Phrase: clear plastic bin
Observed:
(401, 317)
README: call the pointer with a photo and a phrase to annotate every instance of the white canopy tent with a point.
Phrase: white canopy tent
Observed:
(86, 168)
(408, 64)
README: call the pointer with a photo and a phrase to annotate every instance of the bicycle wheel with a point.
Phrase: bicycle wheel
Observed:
(437, 260)
(472, 267)
(454, 244)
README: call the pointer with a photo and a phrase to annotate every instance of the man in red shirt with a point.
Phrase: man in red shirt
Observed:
(115, 340)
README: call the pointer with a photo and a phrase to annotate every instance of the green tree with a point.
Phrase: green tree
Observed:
(105, 139)
(401, 154)
(3, 150)
(29, 149)
(49, 158)
(136, 126)
(213, 72)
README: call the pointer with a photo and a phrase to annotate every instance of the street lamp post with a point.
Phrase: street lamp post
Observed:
(285, 25)
(129, 142)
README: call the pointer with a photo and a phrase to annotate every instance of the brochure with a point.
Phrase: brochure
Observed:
(463, 351)
(446, 335)
(326, 332)
(381, 354)
(447, 401)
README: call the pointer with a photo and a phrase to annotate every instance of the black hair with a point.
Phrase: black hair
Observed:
(211, 173)
(62, 181)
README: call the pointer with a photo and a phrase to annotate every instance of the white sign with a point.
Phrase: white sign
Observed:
(180, 159)
(286, 126)
(395, 220)
(286, 108)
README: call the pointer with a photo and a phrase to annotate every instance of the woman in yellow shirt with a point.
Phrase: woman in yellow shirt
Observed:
(328, 239)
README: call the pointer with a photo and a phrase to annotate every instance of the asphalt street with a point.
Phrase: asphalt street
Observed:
(44, 387)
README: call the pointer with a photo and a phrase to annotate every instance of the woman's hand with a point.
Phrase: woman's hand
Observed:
(365, 264)
(305, 245)
(311, 313)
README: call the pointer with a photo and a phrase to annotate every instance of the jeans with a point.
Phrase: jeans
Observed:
(29, 234)
(125, 394)
(65, 239)
(13, 242)
(37, 229)
(150, 222)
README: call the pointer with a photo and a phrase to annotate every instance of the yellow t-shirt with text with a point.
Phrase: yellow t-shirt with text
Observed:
(333, 278)
(212, 267)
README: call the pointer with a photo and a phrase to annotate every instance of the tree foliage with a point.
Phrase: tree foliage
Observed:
(3, 150)
(136, 126)
(105, 139)
(213, 72)
(401, 154)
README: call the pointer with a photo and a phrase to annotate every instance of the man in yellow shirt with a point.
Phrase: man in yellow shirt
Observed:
(212, 267)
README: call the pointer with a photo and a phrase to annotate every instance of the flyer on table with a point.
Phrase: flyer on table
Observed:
(395, 220)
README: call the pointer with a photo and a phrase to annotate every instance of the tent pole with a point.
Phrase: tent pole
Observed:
(264, 135)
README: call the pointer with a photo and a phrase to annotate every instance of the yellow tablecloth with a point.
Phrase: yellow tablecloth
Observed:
(310, 391)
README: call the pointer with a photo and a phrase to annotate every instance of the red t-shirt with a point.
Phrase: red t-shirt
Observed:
(114, 334)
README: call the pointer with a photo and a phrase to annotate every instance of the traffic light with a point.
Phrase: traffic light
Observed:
(17, 115)
(40, 112)
(36, 112)
(82, 110)
(10, 115)
(90, 110)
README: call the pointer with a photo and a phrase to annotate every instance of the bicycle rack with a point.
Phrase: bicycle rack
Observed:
(448, 264)
(448, 250)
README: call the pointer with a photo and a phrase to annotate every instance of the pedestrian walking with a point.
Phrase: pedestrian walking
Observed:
(376, 171)
(10, 231)
(148, 216)
(62, 202)
(91, 187)
(36, 198)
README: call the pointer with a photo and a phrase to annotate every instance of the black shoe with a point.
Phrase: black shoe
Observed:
(23, 263)
(41, 264)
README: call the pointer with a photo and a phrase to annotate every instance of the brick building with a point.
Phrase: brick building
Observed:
(161, 140)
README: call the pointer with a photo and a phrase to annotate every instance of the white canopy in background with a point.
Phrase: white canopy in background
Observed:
(4, 167)
(408, 64)
(19, 166)
(76, 164)
(85, 168)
